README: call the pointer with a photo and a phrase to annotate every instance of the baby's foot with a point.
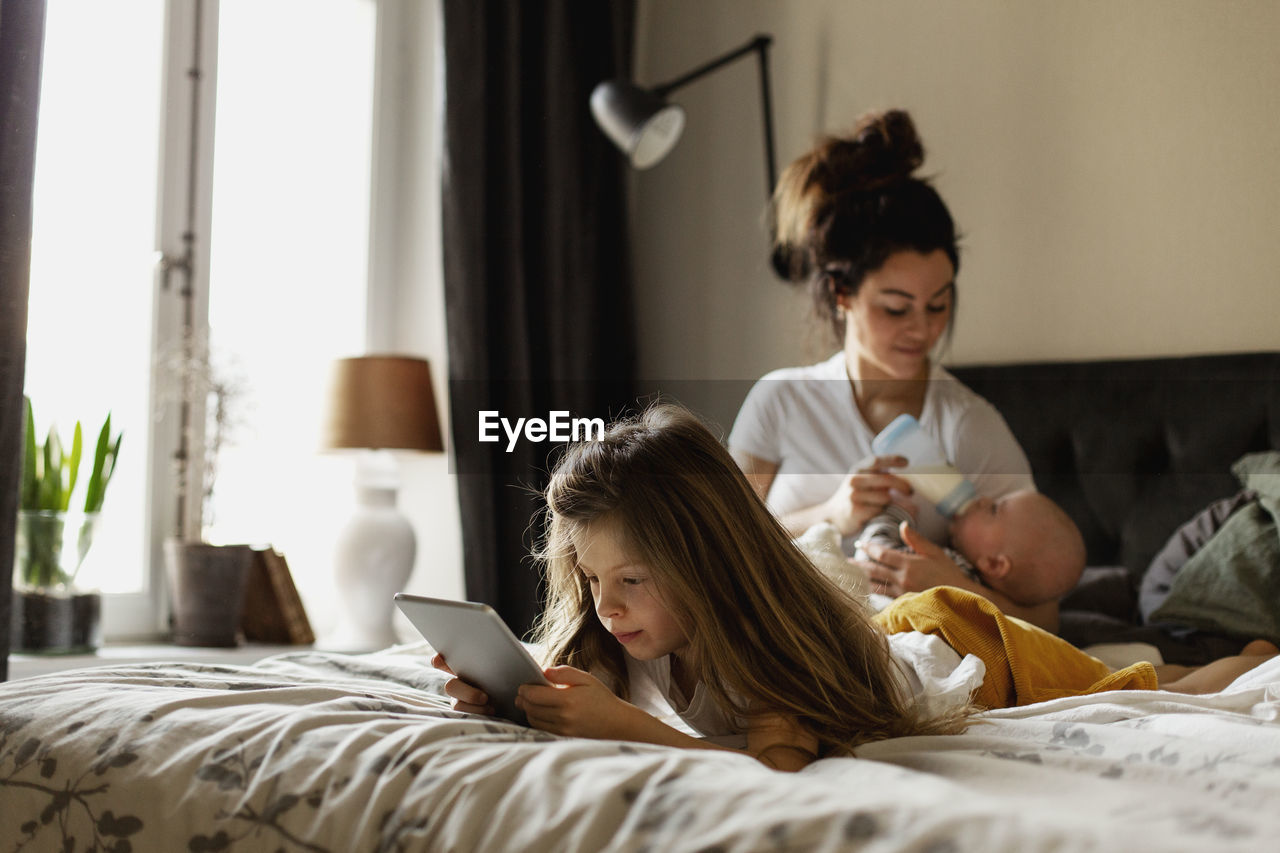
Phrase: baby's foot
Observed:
(1260, 647)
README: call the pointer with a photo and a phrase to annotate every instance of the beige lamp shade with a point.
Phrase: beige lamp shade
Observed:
(382, 402)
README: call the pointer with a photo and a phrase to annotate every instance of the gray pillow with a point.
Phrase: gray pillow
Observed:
(1186, 541)
(1231, 585)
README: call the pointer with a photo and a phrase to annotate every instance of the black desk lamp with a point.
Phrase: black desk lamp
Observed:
(646, 127)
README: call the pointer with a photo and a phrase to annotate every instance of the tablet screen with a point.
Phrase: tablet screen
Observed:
(477, 645)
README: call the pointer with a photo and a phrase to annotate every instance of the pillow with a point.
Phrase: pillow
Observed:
(1182, 546)
(1231, 585)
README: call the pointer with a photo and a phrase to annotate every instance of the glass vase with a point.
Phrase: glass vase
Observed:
(51, 612)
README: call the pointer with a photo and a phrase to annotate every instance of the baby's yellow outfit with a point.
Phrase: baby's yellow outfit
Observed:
(1024, 663)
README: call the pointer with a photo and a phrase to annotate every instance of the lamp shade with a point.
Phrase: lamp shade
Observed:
(645, 126)
(381, 402)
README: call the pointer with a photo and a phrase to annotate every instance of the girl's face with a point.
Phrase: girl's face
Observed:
(628, 601)
(898, 314)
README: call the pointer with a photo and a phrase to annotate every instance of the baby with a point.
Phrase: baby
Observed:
(1022, 546)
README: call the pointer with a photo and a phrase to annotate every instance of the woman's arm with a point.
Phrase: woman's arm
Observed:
(862, 495)
(579, 705)
(759, 472)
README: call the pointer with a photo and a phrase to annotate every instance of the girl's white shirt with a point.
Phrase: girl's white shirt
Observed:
(654, 690)
(927, 669)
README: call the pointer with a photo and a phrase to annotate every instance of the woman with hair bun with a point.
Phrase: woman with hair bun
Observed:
(877, 248)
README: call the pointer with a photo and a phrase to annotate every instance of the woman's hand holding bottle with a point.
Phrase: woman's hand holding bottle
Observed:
(865, 493)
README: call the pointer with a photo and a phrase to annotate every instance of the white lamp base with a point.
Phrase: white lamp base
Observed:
(373, 559)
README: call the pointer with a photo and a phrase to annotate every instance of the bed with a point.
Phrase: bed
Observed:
(314, 751)
(323, 752)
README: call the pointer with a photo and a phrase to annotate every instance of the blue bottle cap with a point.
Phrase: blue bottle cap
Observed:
(898, 428)
(956, 499)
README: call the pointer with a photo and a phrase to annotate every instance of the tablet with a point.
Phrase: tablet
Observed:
(477, 645)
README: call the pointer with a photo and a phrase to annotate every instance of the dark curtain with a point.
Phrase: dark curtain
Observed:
(537, 287)
(21, 48)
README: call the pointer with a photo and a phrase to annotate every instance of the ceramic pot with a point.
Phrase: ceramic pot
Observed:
(206, 589)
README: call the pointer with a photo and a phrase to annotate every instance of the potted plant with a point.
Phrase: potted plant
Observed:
(50, 612)
(206, 581)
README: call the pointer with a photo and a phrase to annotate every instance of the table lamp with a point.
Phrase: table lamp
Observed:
(376, 404)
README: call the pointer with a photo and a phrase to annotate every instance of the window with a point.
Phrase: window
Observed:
(280, 267)
(289, 267)
(93, 245)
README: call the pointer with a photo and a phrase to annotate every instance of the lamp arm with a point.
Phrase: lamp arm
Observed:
(766, 110)
(759, 45)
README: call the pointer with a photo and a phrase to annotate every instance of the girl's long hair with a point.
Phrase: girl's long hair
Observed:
(762, 621)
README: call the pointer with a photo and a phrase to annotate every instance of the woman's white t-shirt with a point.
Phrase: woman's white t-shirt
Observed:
(805, 420)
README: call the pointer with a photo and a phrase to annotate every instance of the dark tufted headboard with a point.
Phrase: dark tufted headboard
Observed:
(1134, 448)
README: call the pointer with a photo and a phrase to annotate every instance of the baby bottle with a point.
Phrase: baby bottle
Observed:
(928, 471)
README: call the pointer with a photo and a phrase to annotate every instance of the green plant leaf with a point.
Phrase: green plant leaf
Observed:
(51, 476)
(74, 466)
(104, 464)
(50, 473)
(94, 491)
(111, 462)
(109, 468)
(30, 464)
(59, 471)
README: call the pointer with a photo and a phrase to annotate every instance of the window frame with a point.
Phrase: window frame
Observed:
(180, 288)
(183, 207)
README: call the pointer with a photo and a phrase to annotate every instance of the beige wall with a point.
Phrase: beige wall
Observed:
(1112, 163)
(1114, 166)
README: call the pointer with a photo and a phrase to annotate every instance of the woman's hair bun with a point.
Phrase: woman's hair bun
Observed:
(856, 174)
(884, 148)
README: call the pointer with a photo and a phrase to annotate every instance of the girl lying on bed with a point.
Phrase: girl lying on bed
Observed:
(679, 612)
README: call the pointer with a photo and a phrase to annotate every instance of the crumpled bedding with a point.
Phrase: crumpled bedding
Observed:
(1023, 664)
(322, 752)
(1232, 584)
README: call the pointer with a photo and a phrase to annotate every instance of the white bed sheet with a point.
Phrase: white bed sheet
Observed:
(323, 752)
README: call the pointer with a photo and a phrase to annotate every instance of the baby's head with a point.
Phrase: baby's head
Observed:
(1022, 544)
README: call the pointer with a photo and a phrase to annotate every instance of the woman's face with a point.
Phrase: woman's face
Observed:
(897, 316)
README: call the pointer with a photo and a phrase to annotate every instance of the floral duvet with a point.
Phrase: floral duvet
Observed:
(323, 752)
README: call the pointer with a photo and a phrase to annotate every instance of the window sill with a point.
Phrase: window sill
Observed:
(117, 654)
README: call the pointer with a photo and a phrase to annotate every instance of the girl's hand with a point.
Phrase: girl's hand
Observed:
(578, 704)
(466, 697)
(865, 493)
(895, 572)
